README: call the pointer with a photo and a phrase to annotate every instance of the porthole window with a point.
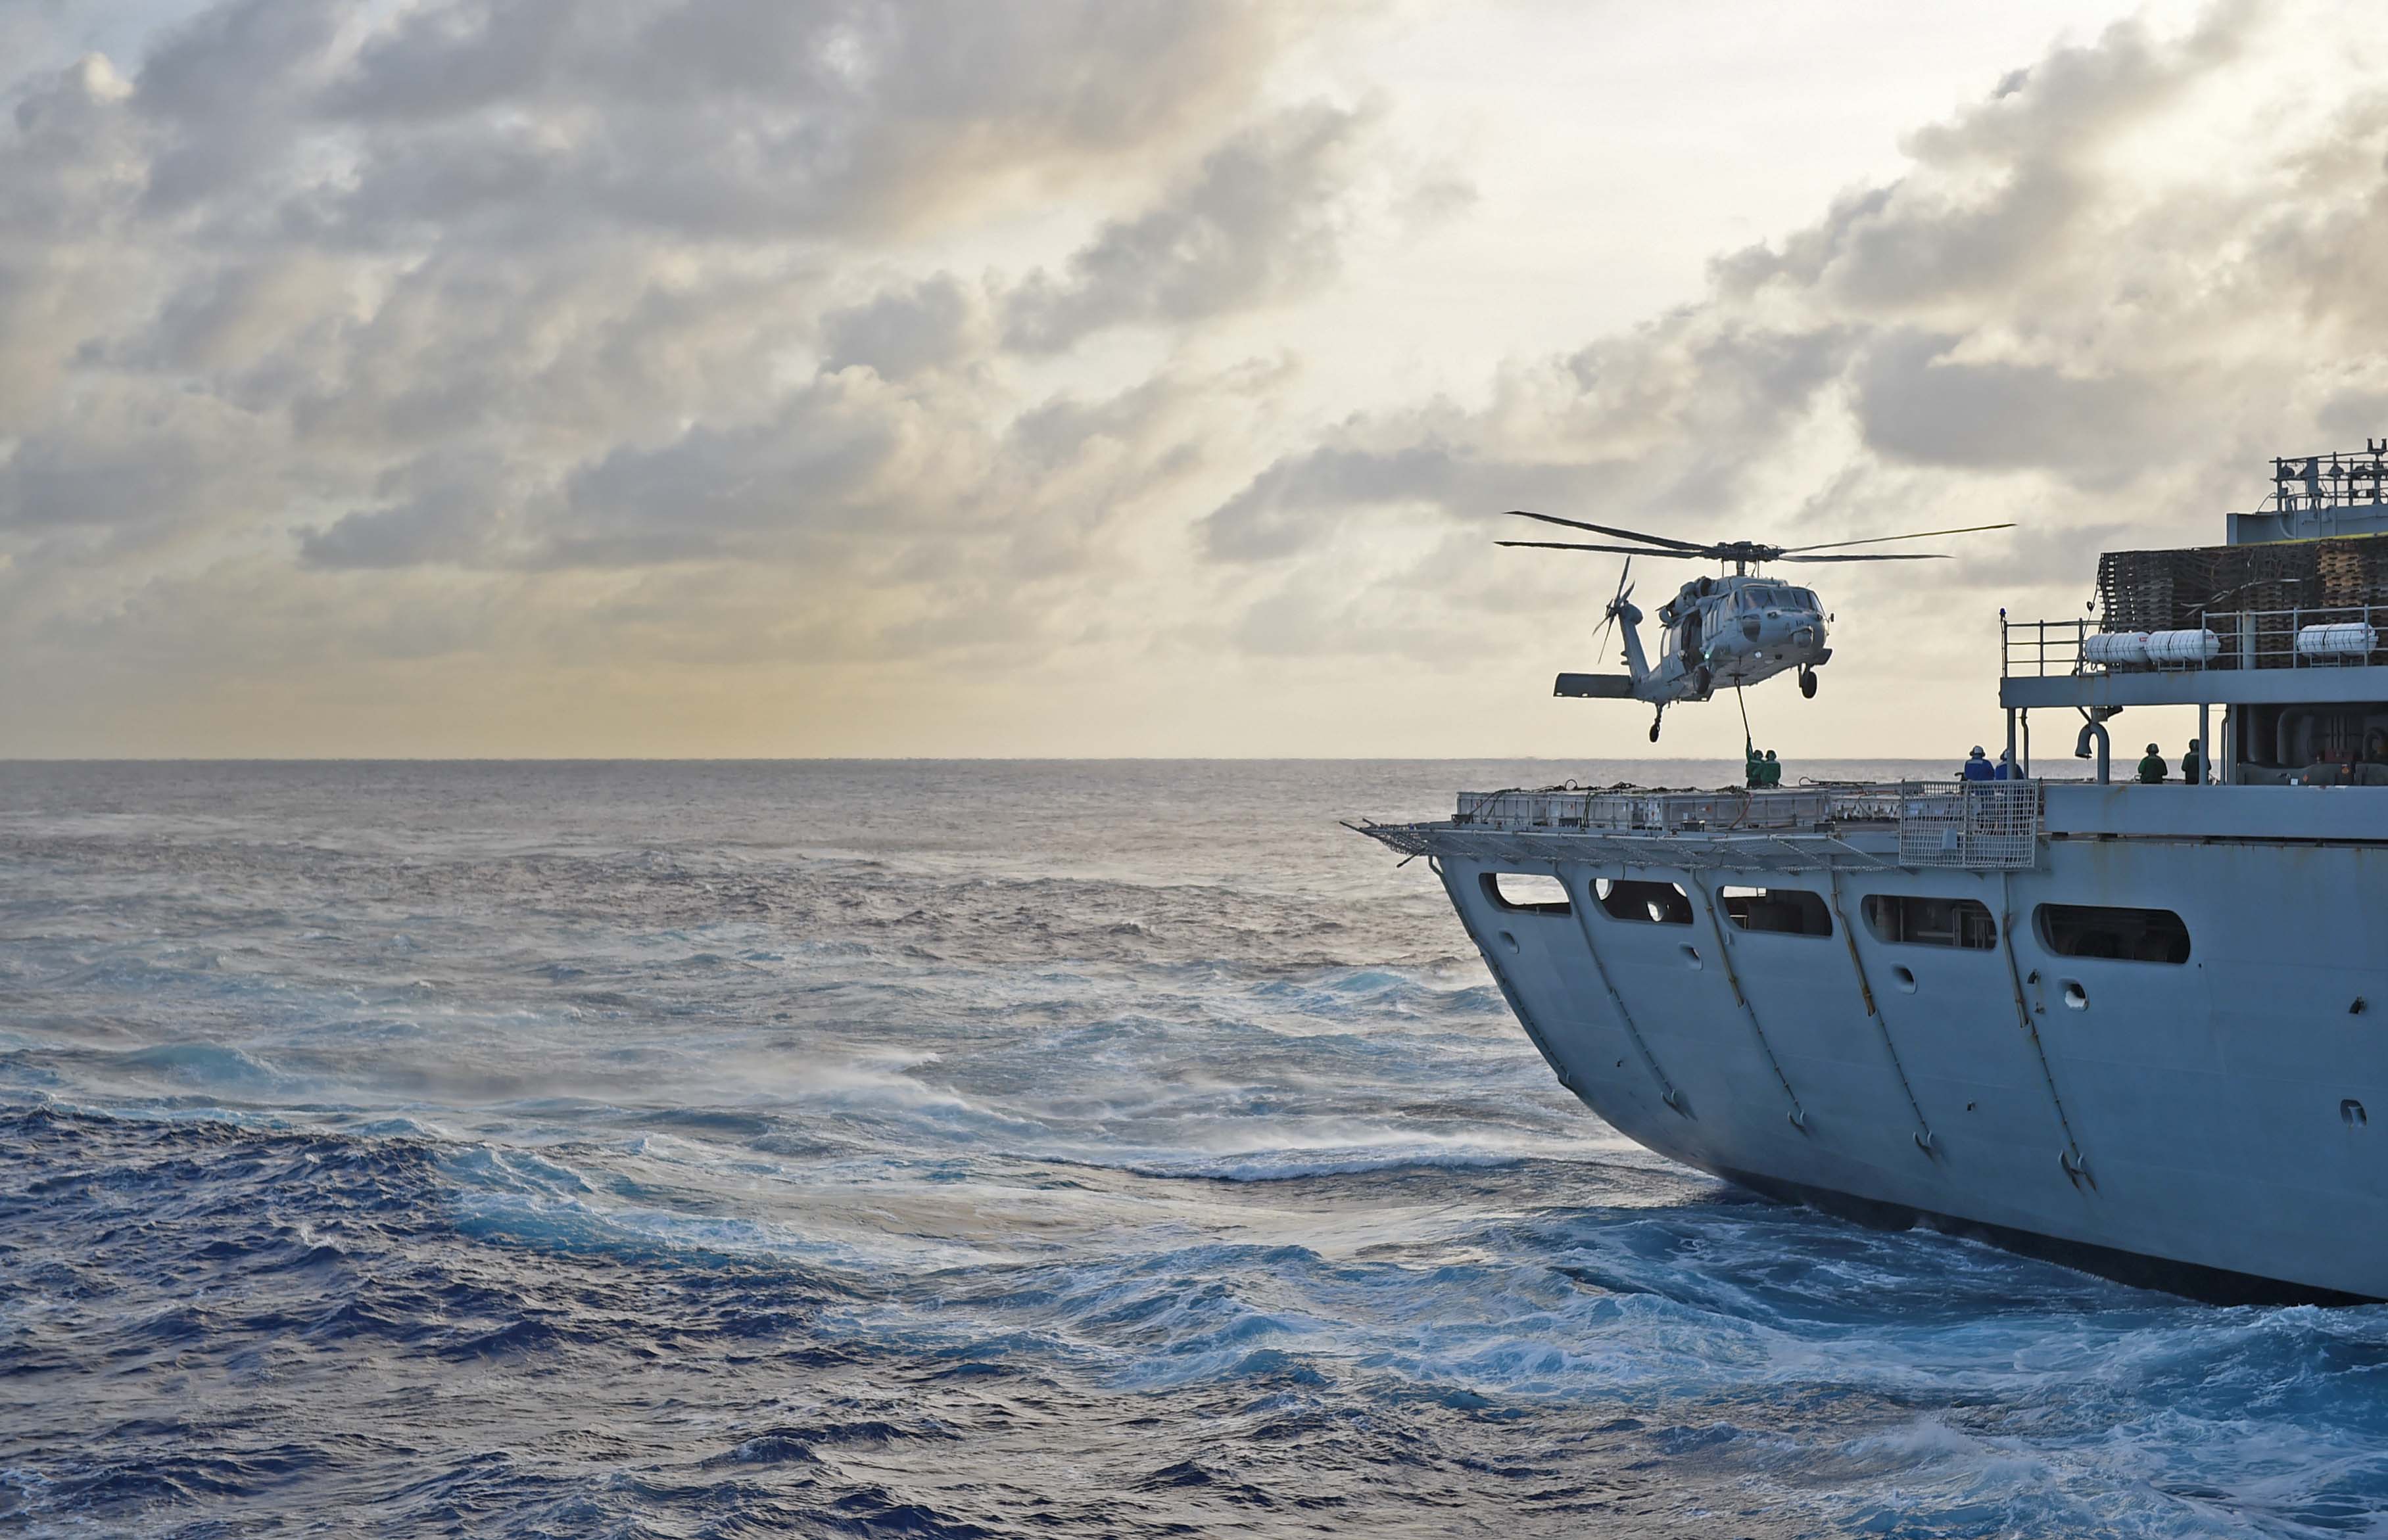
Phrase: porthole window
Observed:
(1650, 903)
(1526, 893)
(1912, 920)
(2125, 935)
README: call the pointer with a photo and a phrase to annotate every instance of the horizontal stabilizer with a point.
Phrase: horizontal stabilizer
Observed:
(1596, 687)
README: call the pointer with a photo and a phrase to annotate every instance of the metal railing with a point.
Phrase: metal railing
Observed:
(1979, 825)
(2337, 636)
(2341, 480)
(1968, 824)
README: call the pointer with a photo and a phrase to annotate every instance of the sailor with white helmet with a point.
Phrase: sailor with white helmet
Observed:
(1978, 766)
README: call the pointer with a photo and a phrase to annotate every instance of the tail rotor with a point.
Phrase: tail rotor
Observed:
(1615, 605)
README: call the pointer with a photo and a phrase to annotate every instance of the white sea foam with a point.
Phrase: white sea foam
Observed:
(992, 1073)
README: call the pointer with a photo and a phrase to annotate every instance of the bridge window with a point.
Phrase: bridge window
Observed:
(1526, 893)
(1652, 902)
(1780, 911)
(2132, 935)
(1931, 921)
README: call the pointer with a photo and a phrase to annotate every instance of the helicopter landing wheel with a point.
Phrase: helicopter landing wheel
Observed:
(1808, 683)
(1655, 723)
(1704, 682)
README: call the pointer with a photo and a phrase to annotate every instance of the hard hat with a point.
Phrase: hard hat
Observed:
(2154, 750)
(1976, 753)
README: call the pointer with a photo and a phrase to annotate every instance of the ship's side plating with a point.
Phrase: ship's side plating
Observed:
(2213, 1113)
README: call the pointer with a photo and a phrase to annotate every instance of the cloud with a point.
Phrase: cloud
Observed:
(1633, 425)
(1256, 223)
(658, 341)
(755, 120)
(936, 323)
(2049, 310)
(1915, 403)
(524, 288)
(438, 509)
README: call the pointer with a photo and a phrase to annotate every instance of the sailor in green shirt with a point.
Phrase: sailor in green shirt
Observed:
(1771, 770)
(2153, 769)
(1754, 766)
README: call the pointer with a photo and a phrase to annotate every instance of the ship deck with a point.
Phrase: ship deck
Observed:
(1979, 825)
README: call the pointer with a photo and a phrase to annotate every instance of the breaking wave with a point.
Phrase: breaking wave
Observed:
(962, 1150)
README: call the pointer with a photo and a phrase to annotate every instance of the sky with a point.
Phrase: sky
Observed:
(701, 378)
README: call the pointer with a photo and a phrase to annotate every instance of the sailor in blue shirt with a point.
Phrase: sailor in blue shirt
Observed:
(1978, 766)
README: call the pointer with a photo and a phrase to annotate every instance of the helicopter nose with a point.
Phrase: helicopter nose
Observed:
(1750, 626)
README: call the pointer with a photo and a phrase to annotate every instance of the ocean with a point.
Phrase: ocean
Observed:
(946, 1149)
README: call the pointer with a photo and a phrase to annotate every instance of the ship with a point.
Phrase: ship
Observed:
(2133, 1028)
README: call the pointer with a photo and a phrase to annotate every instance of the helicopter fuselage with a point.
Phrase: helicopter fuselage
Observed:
(1731, 631)
(1734, 631)
(1717, 634)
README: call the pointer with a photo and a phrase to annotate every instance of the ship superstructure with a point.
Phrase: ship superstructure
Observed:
(2139, 1028)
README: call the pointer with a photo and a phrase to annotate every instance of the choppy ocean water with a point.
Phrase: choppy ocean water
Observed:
(962, 1150)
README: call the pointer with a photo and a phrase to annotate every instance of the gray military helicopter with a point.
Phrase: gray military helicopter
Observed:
(1730, 631)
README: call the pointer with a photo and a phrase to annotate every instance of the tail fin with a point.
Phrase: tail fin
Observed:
(1595, 687)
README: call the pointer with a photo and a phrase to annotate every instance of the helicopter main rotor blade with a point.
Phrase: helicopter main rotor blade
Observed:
(1628, 551)
(1877, 556)
(1604, 529)
(1918, 535)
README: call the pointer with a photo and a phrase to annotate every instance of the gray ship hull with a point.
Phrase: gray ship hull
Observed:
(2202, 1125)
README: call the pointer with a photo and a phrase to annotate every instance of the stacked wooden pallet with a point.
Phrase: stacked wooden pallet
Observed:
(2162, 590)
(2340, 567)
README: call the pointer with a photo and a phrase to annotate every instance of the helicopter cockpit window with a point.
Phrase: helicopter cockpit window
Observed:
(1760, 596)
(1803, 598)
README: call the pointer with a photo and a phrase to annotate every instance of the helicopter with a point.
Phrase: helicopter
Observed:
(1730, 631)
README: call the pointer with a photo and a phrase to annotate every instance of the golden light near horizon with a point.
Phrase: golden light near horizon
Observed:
(1058, 379)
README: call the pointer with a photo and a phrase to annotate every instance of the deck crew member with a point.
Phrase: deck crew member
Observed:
(2192, 765)
(2007, 769)
(1770, 770)
(2153, 769)
(1978, 766)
